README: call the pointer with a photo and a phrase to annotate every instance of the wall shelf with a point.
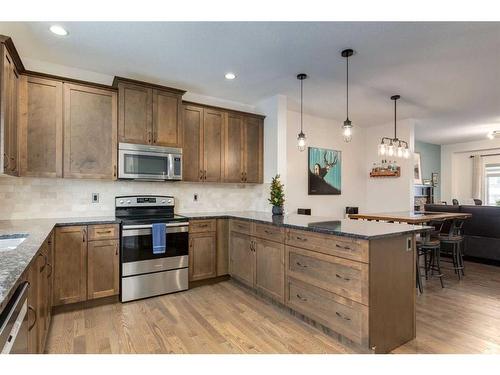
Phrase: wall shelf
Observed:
(386, 173)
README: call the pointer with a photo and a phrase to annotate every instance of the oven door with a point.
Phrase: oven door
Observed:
(137, 249)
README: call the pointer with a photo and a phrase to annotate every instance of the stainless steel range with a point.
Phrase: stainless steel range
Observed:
(144, 273)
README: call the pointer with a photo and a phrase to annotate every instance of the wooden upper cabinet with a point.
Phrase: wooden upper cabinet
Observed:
(167, 124)
(40, 127)
(89, 132)
(70, 268)
(234, 147)
(103, 269)
(213, 141)
(135, 117)
(9, 113)
(192, 152)
(253, 150)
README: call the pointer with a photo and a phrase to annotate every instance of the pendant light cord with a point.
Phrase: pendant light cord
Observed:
(347, 88)
(395, 134)
(301, 100)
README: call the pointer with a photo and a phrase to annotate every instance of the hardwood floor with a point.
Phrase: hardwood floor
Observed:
(224, 318)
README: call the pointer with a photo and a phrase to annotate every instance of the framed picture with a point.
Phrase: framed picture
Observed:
(325, 171)
(435, 178)
(417, 169)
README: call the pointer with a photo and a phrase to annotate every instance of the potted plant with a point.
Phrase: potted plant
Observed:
(277, 198)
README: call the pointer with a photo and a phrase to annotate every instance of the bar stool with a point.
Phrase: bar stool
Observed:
(430, 248)
(455, 239)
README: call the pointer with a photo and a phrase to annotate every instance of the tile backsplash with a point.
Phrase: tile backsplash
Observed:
(23, 197)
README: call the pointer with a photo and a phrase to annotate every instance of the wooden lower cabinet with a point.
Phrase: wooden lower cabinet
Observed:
(242, 258)
(103, 268)
(86, 269)
(202, 256)
(70, 271)
(270, 268)
(39, 298)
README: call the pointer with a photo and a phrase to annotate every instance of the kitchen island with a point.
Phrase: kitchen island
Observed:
(355, 280)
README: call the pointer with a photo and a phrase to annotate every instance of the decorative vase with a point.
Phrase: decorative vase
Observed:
(277, 210)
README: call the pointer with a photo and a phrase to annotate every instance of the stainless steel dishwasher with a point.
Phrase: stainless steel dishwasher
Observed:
(14, 323)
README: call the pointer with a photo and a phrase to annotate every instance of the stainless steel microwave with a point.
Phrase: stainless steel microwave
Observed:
(143, 162)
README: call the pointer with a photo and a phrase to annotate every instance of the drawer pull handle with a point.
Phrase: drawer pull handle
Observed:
(301, 265)
(342, 247)
(104, 231)
(342, 316)
(301, 298)
(340, 277)
(203, 225)
(268, 231)
(301, 238)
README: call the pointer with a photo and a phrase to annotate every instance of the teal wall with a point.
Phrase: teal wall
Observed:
(430, 156)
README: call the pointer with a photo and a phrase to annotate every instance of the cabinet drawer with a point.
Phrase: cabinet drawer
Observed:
(103, 232)
(341, 276)
(202, 226)
(326, 243)
(343, 316)
(269, 232)
(241, 226)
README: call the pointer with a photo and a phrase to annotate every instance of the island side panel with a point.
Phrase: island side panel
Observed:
(392, 293)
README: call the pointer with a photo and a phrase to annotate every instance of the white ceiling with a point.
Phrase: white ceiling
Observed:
(448, 74)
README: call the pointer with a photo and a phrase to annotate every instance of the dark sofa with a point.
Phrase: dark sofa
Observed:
(481, 231)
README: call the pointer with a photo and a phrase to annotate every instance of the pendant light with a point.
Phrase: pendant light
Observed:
(347, 127)
(394, 146)
(301, 138)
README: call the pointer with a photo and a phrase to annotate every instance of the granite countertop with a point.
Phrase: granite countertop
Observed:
(366, 230)
(14, 262)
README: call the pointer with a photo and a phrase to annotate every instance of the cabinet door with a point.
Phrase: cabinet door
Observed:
(70, 268)
(233, 147)
(135, 113)
(213, 141)
(43, 298)
(167, 124)
(192, 152)
(253, 150)
(8, 101)
(89, 132)
(202, 256)
(41, 133)
(103, 269)
(270, 268)
(33, 318)
(241, 258)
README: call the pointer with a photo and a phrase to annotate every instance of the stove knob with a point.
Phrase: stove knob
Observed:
(121, 201)
(170, 201)
(128, 201)
(163, 201)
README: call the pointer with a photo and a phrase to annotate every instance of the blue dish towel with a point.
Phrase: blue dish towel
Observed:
(159, 238)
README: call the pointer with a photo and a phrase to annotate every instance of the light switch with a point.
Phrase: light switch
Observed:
(95, 197)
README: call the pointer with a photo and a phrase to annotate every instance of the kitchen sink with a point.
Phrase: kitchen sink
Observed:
(11, 241)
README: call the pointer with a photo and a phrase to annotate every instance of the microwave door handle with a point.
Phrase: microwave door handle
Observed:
(170, 166)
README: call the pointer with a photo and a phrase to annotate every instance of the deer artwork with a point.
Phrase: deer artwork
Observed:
(322, 171)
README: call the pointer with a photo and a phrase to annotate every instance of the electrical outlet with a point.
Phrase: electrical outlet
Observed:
(95, 197)
(195, 197)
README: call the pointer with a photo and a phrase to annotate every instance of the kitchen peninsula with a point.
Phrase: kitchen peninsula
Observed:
(354, 280)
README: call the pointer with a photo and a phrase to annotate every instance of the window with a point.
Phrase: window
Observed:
(492, 184)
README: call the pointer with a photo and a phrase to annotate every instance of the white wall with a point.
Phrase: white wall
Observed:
(389, 194)
(324, 133)
(274, 108)
(456, 167)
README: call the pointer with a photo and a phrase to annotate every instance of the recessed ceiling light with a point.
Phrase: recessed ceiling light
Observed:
(230, 76)
(58, 30)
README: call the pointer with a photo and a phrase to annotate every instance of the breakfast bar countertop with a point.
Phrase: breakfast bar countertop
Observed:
(365, 230)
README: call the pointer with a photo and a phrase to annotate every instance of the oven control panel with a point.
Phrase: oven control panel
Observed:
(138, 201)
